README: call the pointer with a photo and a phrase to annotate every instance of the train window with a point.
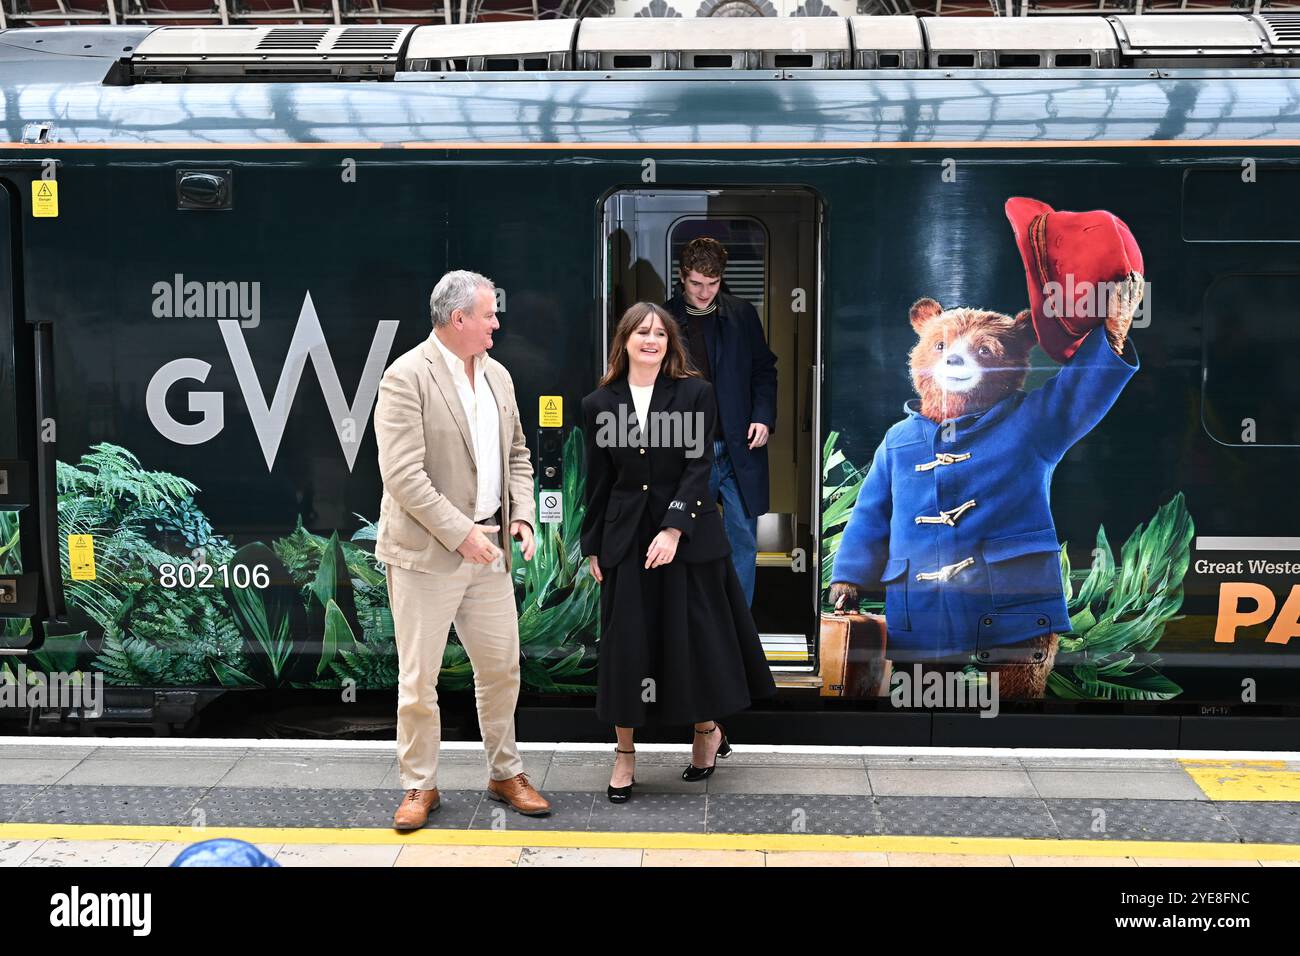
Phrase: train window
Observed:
(746, 243)
(1250, 393)
(1244, 203)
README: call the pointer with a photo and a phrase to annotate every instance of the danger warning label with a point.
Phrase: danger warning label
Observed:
(45, 198)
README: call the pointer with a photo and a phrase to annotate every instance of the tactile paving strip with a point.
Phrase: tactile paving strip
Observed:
(14, 796)
(1259, 822)
(1175, 820)
(651, 812)
(965, 817)
(816, 813)
(121, 806)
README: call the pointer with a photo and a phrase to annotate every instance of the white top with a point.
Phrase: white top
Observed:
(641, 401)
(480, 407)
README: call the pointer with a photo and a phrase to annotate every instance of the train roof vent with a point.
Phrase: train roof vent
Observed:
(1189, 40)
(292, 38)
(884, 43)
(285, 53)
(1282, 29)
(1020, 42)
(725, 43)
(492, 47)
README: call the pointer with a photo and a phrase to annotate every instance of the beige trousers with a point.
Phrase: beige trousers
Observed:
(481, 602)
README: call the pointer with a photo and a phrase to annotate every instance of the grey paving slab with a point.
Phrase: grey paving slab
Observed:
(129, 806)
(792, 813)
(32, 770)
(933, 782)
(47, 751)
(651, 813)
(805, 780)
(965, 816)
(1102, 764)
(284, 806)
(940, 762)
(604, 758)
(114, 768)
(569, 811)
(816, 761)
(1116, 784)
(308, 770)
(15, 796)
(468, 770)
(455, 809)
(1173, 820)
(1263, 821)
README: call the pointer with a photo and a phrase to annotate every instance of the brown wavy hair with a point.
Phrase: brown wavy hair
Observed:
(704, 255)
(676, 363)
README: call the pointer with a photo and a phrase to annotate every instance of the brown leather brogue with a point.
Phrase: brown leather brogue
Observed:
(520, 794)
(415, 809)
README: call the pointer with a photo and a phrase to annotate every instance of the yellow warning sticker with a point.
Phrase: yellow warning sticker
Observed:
(45, 198)
(81, 557)
(550, 411)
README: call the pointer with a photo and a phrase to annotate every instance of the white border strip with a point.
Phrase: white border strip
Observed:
(1208, 543)
(388, 746)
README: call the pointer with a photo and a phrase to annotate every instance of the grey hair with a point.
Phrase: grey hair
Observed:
(455, 290)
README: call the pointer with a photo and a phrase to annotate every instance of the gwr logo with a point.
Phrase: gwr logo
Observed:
(269, 420)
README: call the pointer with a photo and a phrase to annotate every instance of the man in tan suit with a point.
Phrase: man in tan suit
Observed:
(456, 471)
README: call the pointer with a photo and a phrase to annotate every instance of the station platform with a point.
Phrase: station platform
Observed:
(139, 802)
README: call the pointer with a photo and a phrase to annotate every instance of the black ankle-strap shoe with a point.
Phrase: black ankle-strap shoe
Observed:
(694, 773)
(620, 794)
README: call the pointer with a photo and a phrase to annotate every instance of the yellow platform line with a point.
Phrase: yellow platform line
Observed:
(1245, 779)
(583, 839)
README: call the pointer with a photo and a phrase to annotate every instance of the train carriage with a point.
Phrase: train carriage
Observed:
(219, 237)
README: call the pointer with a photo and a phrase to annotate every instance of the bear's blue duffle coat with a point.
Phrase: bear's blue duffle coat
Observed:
(956, 520)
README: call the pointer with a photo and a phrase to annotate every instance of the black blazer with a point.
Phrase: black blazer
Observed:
(624, 480)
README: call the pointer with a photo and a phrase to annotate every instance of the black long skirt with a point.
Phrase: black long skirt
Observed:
(677, 642)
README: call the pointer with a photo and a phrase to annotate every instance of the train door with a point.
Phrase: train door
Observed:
(19, 555)
(772, 237)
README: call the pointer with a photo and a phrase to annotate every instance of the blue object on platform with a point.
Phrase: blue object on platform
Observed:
(223, 852)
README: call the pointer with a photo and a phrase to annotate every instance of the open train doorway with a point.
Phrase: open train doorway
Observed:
(773, 240)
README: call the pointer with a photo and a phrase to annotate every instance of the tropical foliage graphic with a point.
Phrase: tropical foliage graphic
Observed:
(304, 610)
(1118, 612)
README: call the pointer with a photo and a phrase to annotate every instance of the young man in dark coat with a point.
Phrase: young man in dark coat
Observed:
(727, 345)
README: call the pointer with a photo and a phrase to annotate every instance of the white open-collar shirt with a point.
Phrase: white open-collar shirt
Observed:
(484, 426)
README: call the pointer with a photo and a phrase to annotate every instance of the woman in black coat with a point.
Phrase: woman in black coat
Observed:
(677, 643)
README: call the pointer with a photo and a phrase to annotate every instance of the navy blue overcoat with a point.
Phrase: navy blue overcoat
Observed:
(744, 384)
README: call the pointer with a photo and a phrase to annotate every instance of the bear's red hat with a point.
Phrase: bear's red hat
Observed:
(1069, 248)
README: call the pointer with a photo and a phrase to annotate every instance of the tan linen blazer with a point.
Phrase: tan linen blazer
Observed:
(426, 459)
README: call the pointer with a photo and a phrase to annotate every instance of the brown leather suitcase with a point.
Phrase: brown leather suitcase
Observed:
(851, 656)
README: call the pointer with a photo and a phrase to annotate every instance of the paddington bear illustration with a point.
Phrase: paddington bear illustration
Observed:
(954, 517)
